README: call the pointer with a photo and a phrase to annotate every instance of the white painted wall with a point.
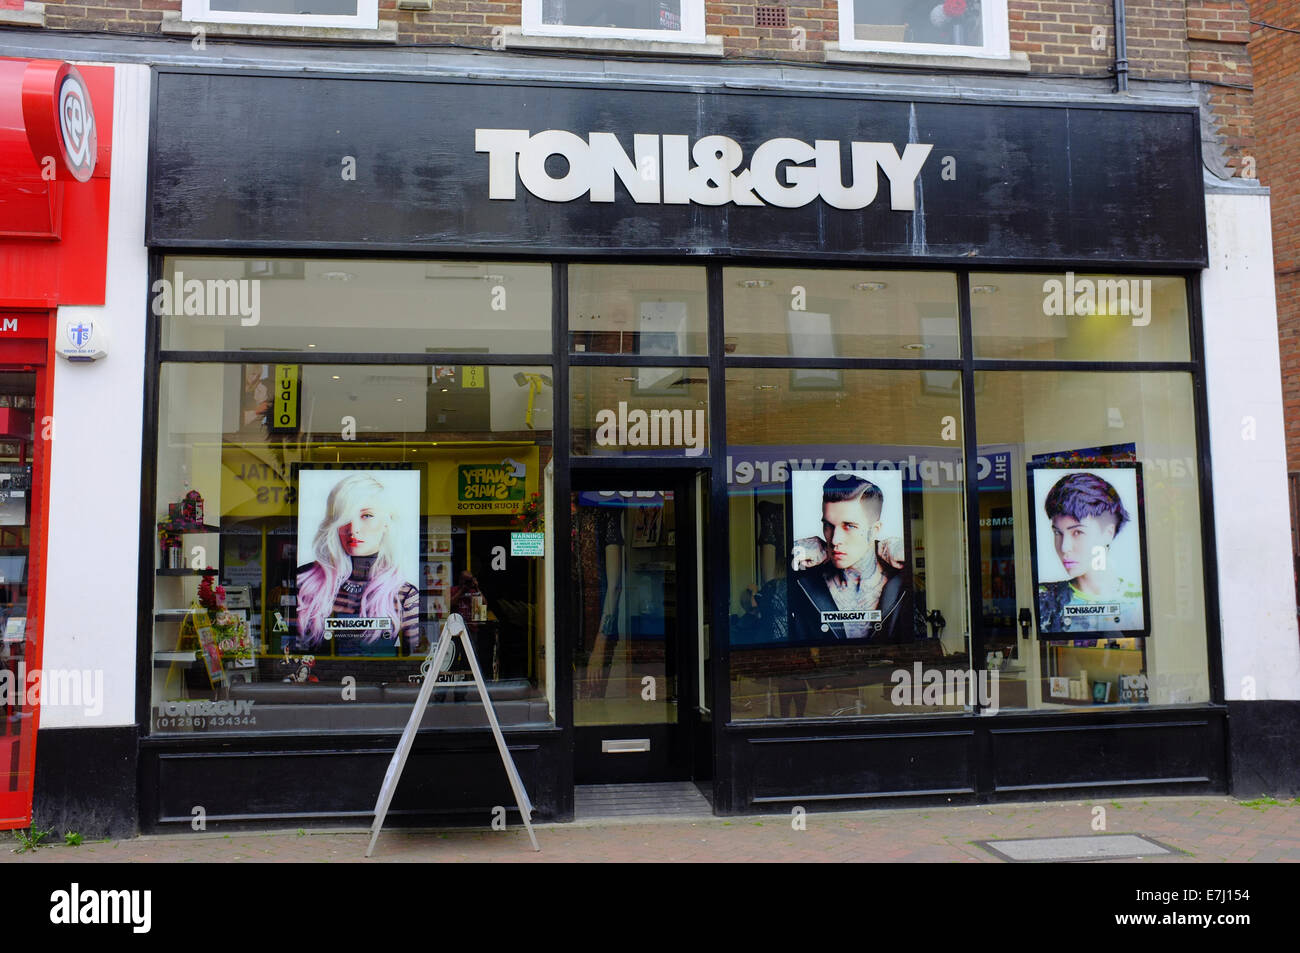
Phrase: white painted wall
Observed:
(1243, 371)
(93, 565)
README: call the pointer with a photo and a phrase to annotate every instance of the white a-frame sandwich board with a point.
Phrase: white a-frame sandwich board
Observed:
(454, 627)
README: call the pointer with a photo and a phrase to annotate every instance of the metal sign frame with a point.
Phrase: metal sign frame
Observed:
(454, 627)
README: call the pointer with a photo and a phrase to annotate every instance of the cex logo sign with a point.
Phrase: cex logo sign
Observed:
(77, 126)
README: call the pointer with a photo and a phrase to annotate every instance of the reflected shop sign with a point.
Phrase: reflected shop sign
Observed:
(769, 468)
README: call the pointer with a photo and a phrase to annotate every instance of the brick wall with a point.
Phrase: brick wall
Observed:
(1276, 55)
(1199, 40)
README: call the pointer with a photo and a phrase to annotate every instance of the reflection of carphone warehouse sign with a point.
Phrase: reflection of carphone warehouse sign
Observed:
(920, 466)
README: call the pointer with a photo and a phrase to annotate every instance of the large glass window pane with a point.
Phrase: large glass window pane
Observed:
(651, 310)
(954, 22)
(812, 313)
(619, 14)
(1091, 549)
(354, 306)
(654, 411)
(847, 545)
(316, 526)
(337, 8)
(1083, 317)
(625, 593)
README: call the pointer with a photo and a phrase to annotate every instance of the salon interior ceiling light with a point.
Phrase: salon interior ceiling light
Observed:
(755, 283)
(983, 289)
(766, 386)
(917, 347)
(450, 271)
(337, 275)
(870, 286)
(335, 377)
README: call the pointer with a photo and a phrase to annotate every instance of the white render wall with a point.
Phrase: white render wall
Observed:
(1252, 519)
(94, 531)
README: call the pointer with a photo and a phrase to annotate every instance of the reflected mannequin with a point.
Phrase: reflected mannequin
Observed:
(609, 536)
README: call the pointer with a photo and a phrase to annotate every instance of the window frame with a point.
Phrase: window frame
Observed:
(692, 30)
(997, 36)
(200, 11)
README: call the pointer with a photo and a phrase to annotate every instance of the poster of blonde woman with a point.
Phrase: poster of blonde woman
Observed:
(358, 594)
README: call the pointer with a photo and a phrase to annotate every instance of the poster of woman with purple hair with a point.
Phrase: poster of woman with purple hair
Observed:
(362, 529)
(1087, 533)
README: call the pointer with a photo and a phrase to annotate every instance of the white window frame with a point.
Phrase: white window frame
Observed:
(692, 30)
(367, 17)
(997, 39)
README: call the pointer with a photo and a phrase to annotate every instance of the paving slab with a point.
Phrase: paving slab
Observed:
(1196, 829)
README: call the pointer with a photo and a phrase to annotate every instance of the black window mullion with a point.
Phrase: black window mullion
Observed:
(351, 357)
(970, 456)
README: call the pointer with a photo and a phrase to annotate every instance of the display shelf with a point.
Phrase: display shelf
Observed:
(186, 572)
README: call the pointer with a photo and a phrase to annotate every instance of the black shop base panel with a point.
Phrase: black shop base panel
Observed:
(108, 782)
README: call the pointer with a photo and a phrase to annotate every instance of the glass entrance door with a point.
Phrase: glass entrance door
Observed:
(635, 602)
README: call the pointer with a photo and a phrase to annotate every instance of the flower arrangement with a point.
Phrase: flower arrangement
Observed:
(192, 507)
(232, 636)
(530, 518)
(229, 630)
(212, 598)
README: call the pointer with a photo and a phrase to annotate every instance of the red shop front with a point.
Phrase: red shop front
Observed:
(55, 156)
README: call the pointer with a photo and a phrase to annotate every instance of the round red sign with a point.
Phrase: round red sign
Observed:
(60, 117)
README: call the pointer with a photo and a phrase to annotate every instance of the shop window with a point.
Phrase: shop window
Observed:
(928, 27)
(811, 313)
(356, 14)
(848, 553)
(1080, 317)
(648, 310)
(318, 523)
(1091, 572)
(640, 411)
(353, 306)
(679, 20)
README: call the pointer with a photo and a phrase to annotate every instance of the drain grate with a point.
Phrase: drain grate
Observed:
(1090, 847)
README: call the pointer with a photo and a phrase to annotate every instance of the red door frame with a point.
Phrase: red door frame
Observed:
(33, 351)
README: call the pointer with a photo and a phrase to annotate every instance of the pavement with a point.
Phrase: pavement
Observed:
(1210, 829)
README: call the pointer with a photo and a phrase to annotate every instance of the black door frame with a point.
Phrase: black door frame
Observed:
(673, 754)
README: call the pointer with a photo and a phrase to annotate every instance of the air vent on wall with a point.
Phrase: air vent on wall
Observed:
(770, 17)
